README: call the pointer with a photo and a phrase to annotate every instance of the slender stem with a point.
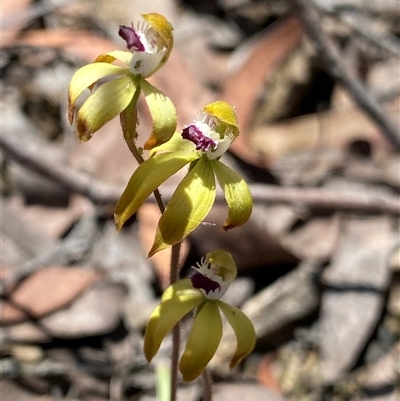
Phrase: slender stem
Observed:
(174, 272)
(207, 379)
(129, 119)
(173, 277)
(139, 158)
(128, 123)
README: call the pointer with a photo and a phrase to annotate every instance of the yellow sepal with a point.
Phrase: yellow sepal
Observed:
(189, 205)
(177, 300)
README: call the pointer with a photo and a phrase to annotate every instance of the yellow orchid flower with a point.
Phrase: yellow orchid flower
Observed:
(151, 43)
(200, 144)
(201, 293)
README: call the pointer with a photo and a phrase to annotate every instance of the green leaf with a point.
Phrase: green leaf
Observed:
(162, 112)
(177, 300)
(85, 77)
(203, 341)
(237, 195)
(189, 205)
(146, 178)
(105, 103)
(244, 331)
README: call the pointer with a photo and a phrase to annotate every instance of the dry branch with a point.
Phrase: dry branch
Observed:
(101, 193)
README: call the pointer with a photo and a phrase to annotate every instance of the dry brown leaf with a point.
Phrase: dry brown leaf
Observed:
(95, 312)
(81, 44)
(11, 314)
(315, 240)
(243, 86)
(266, 374)
(53, 221)
(357, 279)
(245, 391)
(25, 332)
(329, 129)
(12, 391)
(12, 19)
(51, 288)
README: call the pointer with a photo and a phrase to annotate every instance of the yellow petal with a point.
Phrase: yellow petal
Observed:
(189, 205)
(175, 144)
(203, 341)
(163, 114)
(243, 328)
(237, 195)
(105, 103)
(225, 262)
(224, 112)
(177, 300)
(146, 178)
(85, 77)
(164, 29)
(110, 57)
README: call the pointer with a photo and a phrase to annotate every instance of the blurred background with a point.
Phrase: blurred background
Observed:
(316, 87)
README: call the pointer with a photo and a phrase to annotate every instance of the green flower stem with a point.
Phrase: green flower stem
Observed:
(207, 385)
(173, 278)
(128, 125)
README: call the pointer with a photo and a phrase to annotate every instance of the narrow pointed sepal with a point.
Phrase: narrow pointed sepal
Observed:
(203, 341)
(244, 331)
(146, 178)
(163, 115)
(105, 103)
(84, 78)
(178, 300)
(237, 195)
(189, 205)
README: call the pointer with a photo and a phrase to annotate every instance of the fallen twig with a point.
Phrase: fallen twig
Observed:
(31, 157)
(72, 248)
(101, 193)
(364, 26)
(325, 199)
(332, 59)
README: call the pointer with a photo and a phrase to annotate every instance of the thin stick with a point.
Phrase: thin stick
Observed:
(32, 157)
(174, 276)
(140, 160)
(128, 120)
(365, 27)
(207, 385)
(332, 59)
